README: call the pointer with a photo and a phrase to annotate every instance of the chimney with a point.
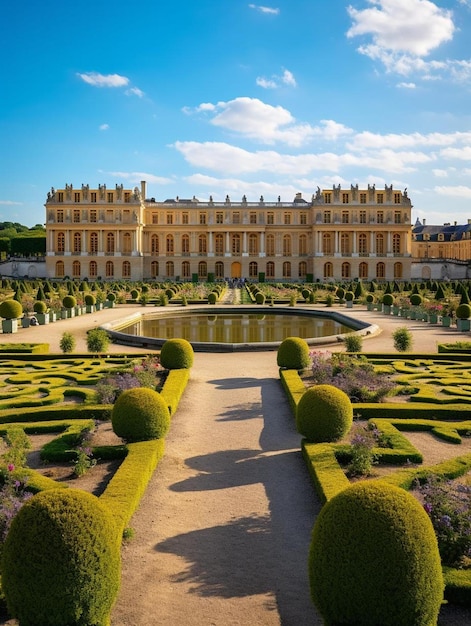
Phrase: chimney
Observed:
(423, 221)
(143, 189)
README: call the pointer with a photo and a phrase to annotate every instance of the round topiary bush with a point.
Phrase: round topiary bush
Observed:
(324, 413)
(39, 306)
(374, 559)
(293, 354)
(260, 298)
(176, 354)
(349, 296)
(10, 309)
(370, 297)
(140, 414)
(134, 293)
(416, 299)
(388, 299)
(69, 302)
(111, 297)
(212, 297)
(61, 560)
(340, 293)
(463, 311)
(90, 299)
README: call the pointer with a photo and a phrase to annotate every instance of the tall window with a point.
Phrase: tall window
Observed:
(126, 269)
(77, 243)
(397, 198)
(286, 269)
(219, 244)
(109, 269)
(185, 218)
(253, 270)
(110, 244)
(363, 243)
(380, 198)
(328, 270)
(287, 245)
(270, 218)
(253, 244)
(380, 217)
(236, 244)
(346, 272)
(303, 219)
(236, 218)
(154, 244)
(345, 217)
(270, 243)
(219, 269)
(362, 217)
(328, 198)
(287, 218)
(379, 244)
(396, 243)
(76, 216)
(302, 245)
(76, 269)
(397, 270)
(380, 270)
(154, 269)
(327, 217)
(93, 215)
(60, 215)
(60, 242)
(155, 218)
(186, 269)
(302, 269)
(169, 269)
(345, 243)
(363, 270)
(219, 217)
(60, 269)
(169, 247)
(92, 269)
(270, 271)
(169, 218)
(397, 217)
(345, 198)
(253, 217)
(202, 218)
(363, 198)
(202, 269)
(327, 243)
(186, 245)
(127, 243)
(202, 248)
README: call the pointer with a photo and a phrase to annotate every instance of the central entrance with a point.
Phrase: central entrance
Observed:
(236, 270)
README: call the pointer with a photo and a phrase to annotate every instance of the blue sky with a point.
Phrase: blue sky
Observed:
(216, 97)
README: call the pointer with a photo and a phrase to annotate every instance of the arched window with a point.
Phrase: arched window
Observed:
(127, 243)
(76, 269)
(302, 245)
(219, 267)
(363, 270)
(362, 244)
(154, 245)
(270, 273)
(219, 244)
(169, 243)
(202, 245)
(110, 243)
(380, 270)
(236, 244)
(270, 245)
(185, 245)
(186, 269)
(169, 269)
(287, 245)
(93, 243)
(253, 270)
(126, 269)
(286, 269)
(397, 270)
(379, 244)
(327, 243)
(396, 243)
(60, 269)
(346, 273)
(253, 244)
(92, 269)
(77, 243)
(345, 243)
(302, 269)
(60, 242)
(109, 269)
(154, 269)
(328, 270)
(202, 269)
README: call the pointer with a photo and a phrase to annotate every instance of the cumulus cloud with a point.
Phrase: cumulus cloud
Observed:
(104, 126)
(368, 140)
(406, 85)
(462, 154)
(104, 80)
(266, 10)
(134, 91)
(286, 78)
(459, 191)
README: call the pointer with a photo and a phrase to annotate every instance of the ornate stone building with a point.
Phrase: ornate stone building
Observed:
(339, 234)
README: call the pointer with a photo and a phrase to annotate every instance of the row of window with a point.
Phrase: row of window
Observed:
(253, 242)
(347, 197)
(93, 196)
(219, 270)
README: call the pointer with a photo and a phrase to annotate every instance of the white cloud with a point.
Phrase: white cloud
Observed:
(415, 27)
(257, 120)
(134, 91)
(463, 154)
(440, 173)
(104, 126)
(459, 191)
(368, 140)
(262, 9)
(406, 85)
(104, 80)
(10, 203)
(136, 177)
(266, 83)
(287, 78)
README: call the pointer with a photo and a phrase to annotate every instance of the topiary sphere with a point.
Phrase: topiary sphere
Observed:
(90, 299)
(370, 297)
(134, 293)
(374, 559)
(111, 297)
(416, 299)
(349, 296)
(176, 354)
(260, 298)
(10, 309)
(69, 302)
(293, 353)
(212, 297)
(61, 560)
(40, 306)
(388, 299)
(324, 413)
(140, 414)
(463, 311)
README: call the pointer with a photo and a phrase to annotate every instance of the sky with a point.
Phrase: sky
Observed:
(229, 97)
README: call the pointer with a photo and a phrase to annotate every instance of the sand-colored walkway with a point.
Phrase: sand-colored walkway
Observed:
(222, 533)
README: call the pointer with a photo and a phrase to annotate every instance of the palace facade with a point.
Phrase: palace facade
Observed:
(339, 234)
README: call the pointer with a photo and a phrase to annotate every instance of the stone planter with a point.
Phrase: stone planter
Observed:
(10, 326)
(25, 322)
(463, 325)
(90, 308)
(43, 318)
(70, 313)
(413, 315)
(64, 314)
(446, 321)
(52, 316)
(99, 306)
(109, 304)
(395, 310)
(386, 309)
(369, 306)
(349, 304)
(433, 318)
